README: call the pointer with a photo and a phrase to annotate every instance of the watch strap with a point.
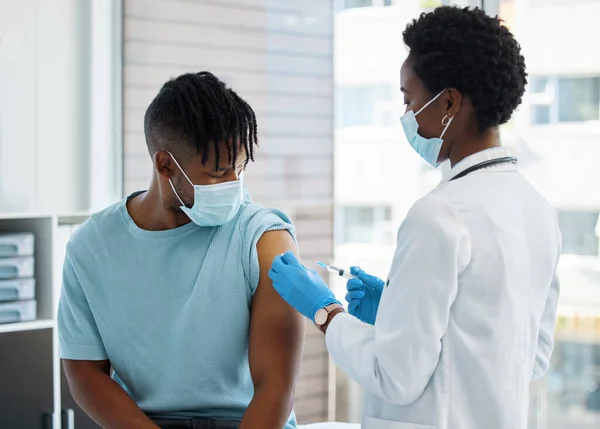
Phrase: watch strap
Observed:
(330, 309)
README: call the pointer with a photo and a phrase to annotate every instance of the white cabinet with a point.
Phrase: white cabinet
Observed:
(33, 344)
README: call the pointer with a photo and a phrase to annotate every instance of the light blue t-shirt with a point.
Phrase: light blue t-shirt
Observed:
(169, 309)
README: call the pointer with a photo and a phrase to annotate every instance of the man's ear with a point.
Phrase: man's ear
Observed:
(164, 164)
(453, 101)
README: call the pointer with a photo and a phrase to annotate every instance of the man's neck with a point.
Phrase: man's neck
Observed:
(486, 140)
(148, 211)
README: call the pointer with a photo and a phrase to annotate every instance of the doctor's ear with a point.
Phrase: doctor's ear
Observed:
(452, 99)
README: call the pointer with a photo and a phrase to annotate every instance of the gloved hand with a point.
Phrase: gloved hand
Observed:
(301, 288)
(364, 294)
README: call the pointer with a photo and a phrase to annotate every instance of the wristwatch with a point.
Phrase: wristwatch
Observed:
(323, 316)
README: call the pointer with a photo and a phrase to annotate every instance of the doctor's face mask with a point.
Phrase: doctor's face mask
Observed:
(427, 148)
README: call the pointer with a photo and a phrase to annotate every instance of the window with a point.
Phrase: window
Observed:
(564, 88)
(538, 85)
(575, 371)
(362, 105)
(366, 224)
(578, 99)
(579, 232)
(351, 4)
(564, 99)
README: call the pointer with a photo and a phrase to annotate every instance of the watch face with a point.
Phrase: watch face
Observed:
(321, 317)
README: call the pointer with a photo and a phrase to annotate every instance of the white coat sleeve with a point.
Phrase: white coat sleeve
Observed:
(545, 343)
(396, 358)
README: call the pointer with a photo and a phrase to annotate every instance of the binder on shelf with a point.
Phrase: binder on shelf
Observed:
(15, 268)
(16, 245)
(17, 289)
(19, 311)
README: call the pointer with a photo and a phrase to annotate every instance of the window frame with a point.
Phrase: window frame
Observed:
(106, 103)
(563, 220)
(550, 97)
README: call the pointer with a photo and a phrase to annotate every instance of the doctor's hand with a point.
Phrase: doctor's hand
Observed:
(301, 288)
(364, 294)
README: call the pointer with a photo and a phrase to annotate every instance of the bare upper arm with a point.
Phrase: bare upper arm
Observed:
(276, 329)
(76, 368)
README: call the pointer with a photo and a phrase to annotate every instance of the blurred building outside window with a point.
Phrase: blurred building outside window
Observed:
(555, 134)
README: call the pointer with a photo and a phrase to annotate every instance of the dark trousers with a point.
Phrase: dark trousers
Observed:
(196, 424)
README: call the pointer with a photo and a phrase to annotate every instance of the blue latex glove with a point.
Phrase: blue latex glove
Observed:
(364, 294)
(301, 288)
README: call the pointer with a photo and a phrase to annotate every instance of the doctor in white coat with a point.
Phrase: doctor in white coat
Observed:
(465, 319)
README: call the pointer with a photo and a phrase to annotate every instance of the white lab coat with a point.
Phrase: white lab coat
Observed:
(467, 319)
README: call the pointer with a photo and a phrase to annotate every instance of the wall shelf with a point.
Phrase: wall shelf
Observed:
(37, 340)
(27, 326)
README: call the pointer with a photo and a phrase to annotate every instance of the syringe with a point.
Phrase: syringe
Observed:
(335, 270)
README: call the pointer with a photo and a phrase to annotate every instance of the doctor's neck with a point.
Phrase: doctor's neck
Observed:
(472, 143)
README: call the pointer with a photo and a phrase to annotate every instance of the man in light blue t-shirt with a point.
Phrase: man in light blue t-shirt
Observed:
(169, 288)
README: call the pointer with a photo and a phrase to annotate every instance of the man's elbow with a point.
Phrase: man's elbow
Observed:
(83, 375)
(279, 395)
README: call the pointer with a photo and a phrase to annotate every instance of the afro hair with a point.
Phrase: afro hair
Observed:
(476, 54)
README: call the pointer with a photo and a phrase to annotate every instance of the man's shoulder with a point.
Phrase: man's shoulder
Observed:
(97, 226)
(256, 217)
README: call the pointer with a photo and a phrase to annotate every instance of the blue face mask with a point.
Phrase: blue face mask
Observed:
(429, 149)
(214, 205)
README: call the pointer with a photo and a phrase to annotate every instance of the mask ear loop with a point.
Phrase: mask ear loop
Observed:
(446, 123)
(430, 101)
(184, 175)
(181, 169)
(175, 192)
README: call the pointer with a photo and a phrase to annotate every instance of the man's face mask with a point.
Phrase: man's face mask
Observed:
(429, 149)
(214, 205)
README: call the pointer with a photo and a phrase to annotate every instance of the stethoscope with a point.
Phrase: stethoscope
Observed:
(484, 164)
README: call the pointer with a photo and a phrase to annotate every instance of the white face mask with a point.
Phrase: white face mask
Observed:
(214, 205)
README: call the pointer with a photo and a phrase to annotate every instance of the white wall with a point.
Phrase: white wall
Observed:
(17, 108)
(44, 105)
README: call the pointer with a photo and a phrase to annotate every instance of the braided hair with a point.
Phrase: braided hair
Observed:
(196, 110)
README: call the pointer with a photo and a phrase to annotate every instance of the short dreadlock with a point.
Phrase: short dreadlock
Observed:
(195, 110)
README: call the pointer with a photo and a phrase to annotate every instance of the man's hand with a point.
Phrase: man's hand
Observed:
(102, 398)
(364, 294)
(303, 289)
(275, 349)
